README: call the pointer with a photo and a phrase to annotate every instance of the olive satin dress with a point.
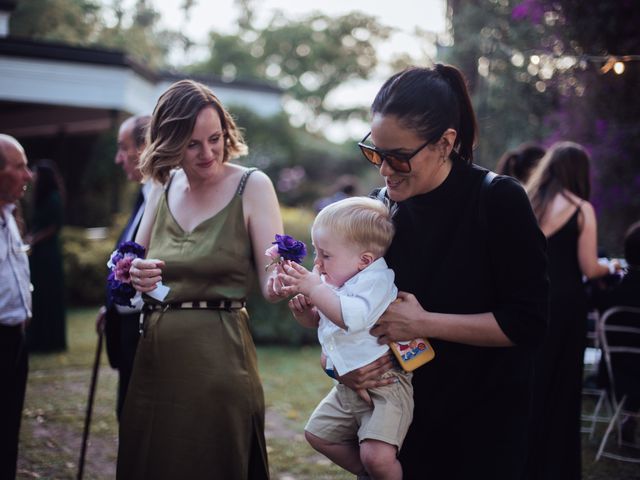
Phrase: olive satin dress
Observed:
(195, 406)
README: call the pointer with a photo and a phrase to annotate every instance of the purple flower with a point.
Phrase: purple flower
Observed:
(119, 288)
(132, 247)
(121, 293)
(290, 249)
(285, 248)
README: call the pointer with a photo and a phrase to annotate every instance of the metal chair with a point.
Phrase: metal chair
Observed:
(596, 399)
(620, 340)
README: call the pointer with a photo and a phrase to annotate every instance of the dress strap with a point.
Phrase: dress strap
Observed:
(243, 180)
(168, 184)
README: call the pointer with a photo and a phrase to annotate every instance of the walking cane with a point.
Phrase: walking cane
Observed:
(87, 418)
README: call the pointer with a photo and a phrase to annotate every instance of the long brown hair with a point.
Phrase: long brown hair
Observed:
(520, 162)
(565, 167)
(172, 124)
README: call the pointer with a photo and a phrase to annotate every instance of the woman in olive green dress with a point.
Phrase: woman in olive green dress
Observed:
(195, 407)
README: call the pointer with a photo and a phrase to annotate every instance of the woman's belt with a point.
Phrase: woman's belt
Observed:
(197, 305)
(194, 305)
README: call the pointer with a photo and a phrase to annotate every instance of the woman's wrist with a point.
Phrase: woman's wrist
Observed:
(428, 325)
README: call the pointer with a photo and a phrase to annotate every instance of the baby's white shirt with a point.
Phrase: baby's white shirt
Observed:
(363, 299)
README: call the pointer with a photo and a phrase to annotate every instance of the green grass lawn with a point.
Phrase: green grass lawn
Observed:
(293, 383)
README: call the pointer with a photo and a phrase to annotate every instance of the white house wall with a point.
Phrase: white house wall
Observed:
(70, 84)
(109, 87)
(265, 104)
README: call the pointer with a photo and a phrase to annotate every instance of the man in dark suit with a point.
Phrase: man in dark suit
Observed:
(120, 324)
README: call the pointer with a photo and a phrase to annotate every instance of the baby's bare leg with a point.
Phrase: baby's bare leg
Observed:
(345, 455)
(380, 460)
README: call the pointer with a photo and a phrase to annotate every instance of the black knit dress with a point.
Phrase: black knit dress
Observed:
(556, 452)
(462, 251)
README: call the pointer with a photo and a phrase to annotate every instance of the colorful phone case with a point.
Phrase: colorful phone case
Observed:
(413, 354)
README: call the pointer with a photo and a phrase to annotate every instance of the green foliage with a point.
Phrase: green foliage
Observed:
(309, 57)
(85, 266)
(534, 75)
(488, 46)
(84, 22)
(273, 323)
(141, 38)
(72, 21)
(101, 180)
(300, 164)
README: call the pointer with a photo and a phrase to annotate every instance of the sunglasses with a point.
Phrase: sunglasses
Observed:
(400, 162)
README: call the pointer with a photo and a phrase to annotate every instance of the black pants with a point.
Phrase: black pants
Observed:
(14, 366)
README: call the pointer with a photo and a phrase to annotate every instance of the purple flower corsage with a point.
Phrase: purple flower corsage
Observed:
(286, 248)
(120, 290)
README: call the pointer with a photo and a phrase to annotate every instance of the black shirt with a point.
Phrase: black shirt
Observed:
(472, 403)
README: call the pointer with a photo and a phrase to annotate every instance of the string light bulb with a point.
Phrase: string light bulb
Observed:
(618, 67)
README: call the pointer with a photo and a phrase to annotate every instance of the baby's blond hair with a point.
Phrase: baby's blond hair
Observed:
(363, 221)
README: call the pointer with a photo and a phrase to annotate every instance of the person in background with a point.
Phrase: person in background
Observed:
(520, 162)
(195, 405)
(470, 265)
(344, 295)
(346, 186)
(15, 302)
(47, 330)
(626, 293)
(120, 323)
(559, 190)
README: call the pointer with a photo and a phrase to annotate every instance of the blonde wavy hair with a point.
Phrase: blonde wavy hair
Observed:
(363, 221)
(172, 124)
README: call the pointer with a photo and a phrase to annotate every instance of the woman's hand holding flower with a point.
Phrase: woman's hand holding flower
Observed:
(284, 249)
(274, 285)
(145, 274)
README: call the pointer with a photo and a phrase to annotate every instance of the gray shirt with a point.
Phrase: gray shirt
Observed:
(15, 287)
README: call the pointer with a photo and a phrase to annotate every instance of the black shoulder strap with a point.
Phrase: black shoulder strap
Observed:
(243, 180)
(482, 200)
(382, 196)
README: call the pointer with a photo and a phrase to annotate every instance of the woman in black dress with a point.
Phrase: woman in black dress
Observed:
(470, 263)
(559, 191)
(47, 331)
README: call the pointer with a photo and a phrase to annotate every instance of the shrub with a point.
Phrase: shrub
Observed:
(273, 323)
(85, 263)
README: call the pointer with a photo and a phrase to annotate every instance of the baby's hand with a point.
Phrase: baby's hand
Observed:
(297, 279)
(304, 311)
(300, 303)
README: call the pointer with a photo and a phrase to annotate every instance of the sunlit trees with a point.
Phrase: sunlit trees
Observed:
(308, 58)
(91, 23)
(541, 70)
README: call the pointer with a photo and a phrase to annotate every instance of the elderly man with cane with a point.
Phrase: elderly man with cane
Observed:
(119, 323)
(15, 302)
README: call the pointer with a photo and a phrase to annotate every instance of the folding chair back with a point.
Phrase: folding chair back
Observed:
(619, 331)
